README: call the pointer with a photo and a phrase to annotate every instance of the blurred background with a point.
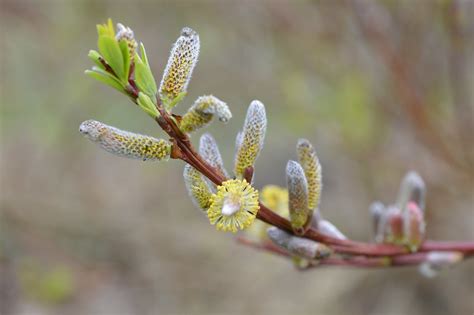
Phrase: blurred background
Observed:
(379, 87)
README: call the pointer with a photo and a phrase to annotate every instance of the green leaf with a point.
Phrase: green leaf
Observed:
(147, 105)
(106, 29)
(110, 50)
(95, 57)
(106, 78)
(126, 57)
(143, 54)
(144, 78)
(170, 103)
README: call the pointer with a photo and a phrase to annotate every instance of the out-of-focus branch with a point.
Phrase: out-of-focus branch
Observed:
(458, 72)
(411, 259)
(414, 105)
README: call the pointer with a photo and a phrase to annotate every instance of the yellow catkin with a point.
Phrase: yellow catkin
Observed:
(312, 169)
(182, 60)
(197, 187)
(234, 206)
(124, 143)
(274, 198)
(251, 140)
(202, 112)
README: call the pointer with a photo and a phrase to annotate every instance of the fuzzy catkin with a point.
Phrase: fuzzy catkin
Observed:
(413, 189)
(312, 169)
(251, 140)
(197, 187)
(202, 112)
(297, 195)
(301, 247)
(126, 34)
(210, 153)
(181, 63)
(125, 143)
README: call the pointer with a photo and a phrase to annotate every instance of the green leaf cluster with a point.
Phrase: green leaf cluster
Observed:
(113, 59)
(143, 76)
(147, 105)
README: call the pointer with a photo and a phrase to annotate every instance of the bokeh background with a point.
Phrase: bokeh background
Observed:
(380, 88)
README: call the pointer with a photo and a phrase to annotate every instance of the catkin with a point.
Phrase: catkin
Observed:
(210, 153)
(300, 214)
(251, 141)
(125, 143)
(197, 187)
(312, 170)
(202, 112)
(182, 60)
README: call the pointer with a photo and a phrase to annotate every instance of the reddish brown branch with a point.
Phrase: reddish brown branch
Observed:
(402, 260)
(364, 254)
(340, 246)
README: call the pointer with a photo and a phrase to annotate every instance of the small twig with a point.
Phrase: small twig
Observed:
(364, 254)
(248, 174)
(401, 260)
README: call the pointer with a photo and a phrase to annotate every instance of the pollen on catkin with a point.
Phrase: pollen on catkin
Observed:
(300, 214)
(181, 62)
(125, 143)
(234, 206)
(197, 187)
(202, 112)
(312, 169)
(209, 151)
(126, 34)
(251, 141)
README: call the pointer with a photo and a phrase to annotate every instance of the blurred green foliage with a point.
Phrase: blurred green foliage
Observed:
(50, 285)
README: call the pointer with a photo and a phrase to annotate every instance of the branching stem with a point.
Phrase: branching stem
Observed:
(366, 255)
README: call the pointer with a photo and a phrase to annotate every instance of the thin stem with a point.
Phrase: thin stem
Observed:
(340, 246)
(465, 247)
(368, 255)
(403, 260)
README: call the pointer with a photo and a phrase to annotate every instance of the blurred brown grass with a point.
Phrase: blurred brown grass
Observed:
(380, 87)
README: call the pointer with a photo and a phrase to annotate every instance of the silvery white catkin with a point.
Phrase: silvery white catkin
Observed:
(298, 246)
(297, 195)
(210, 152)
(126, 34)
(377, 210)
(413, 189)
(329, 229)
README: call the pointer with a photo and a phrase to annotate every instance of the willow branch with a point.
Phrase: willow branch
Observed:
(367, 254)
(402, 260)
(340, 246)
